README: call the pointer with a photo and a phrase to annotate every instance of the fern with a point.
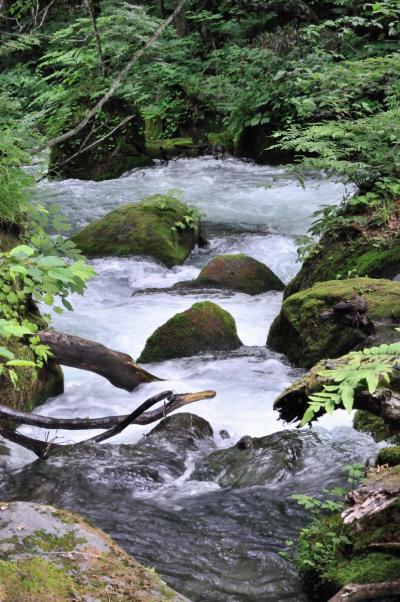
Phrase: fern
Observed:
(369, 369)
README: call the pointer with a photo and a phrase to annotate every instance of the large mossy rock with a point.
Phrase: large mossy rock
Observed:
(50, 555)
(203, 327)
(157, 227)
(238, 273)
(123, 150)
(365, 422)
(351, 253)
(302, 332)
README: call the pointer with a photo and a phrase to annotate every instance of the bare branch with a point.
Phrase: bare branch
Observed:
(97, 37)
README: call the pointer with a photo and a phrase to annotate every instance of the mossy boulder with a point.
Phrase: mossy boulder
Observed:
(238, 273)
(49, 555)
(174, 147)
(160, 226)
(365, 422)
(119, 152)
(389, 455)
(304, 333)
(362, 247)
(203, 327)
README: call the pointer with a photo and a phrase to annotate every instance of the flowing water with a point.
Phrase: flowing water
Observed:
(213, 543)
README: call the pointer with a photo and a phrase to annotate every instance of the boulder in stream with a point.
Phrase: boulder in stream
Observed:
(50, 555)
(256, 461)
(332, 318)
(238, 272)
(203, 327)
(160, 226)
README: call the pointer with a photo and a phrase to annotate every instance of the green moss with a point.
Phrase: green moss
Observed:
(368, 568)
(34, 579)
(149, 228)
(203, 327)
(340, 258)
(305, 337)
(238, 272)
(50, 543)
(389, 455)
(370, 423)
(169, 148)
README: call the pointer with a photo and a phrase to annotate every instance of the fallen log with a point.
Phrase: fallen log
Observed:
(367, 591)
(114, 424)
(118, 368)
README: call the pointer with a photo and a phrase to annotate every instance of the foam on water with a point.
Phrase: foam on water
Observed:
(242, 215)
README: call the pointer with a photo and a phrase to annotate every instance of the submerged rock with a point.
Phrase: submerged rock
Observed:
(313, 325)
(160, 226)
(237, 273)
(256, 461)
(203, 327)
(159, 458)
(118, 153)
(50, 555)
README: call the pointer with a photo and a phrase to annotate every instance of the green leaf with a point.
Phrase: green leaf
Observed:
(347, 393)
(22, 251)
(20, 363)
(4, 352)
(308, 416)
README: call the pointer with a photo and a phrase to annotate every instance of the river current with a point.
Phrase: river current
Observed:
(213, 544)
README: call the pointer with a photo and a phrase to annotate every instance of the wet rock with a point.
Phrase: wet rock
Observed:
(256, 461)
(51, 555)
(160, 226)
(328, 320)
(159, 458)
(203, 327)
(238, 273)
(118, 153)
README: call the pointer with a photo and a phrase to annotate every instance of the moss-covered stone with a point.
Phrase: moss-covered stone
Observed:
(203, 327)
(366, 422)
(52, 556)
(173, 147)
(238, 273)
(160, 226)
(305, 336)
(123, 150)
(348, 256)
(389, 455)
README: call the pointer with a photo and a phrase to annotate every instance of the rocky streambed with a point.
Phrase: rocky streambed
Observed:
(209, 510)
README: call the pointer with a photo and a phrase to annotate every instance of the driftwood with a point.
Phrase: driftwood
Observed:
(118, 368)
(114, 424)
(368, 591)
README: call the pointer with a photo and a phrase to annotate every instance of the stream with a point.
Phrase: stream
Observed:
(210, 541)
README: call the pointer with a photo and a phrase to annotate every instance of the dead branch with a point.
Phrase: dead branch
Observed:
(368, 591)
(177, 401)
(96, 142)
(116, 82)
(118, 423)
(100, 54)
(118, 368)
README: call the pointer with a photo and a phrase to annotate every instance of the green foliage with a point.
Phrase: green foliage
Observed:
(370, 368)
(26, 274)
